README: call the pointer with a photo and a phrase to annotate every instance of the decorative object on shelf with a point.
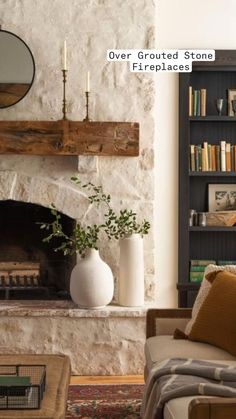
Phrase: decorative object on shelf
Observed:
(231, 96)
(221, 197)
(15, 54)
(219, 105)
(234, 106)
(85, 241)
(64, 79)
(221, 218)
(202, 219)
(87, 93)
(192, 217)
(91, 284)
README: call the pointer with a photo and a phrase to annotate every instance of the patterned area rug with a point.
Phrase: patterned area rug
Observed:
(104, 401)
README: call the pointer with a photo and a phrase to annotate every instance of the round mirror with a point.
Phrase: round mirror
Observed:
(17, 69)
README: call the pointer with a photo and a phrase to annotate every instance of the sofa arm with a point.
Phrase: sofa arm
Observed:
(167, 320)
(212, 408)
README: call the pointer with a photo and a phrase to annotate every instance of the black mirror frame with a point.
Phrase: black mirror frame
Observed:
(33, 61)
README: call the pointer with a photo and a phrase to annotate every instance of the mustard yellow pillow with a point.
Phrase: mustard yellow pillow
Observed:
(216, 320)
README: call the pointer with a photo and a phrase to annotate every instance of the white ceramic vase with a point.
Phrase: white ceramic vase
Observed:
(91, 283)
(131, 275)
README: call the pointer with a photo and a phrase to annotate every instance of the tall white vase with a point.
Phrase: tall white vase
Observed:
(131, 277)
(91, 283)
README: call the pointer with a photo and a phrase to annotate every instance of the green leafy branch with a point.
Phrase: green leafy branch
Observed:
(87, 237)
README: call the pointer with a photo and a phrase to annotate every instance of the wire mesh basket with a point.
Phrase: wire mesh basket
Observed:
(22, 386)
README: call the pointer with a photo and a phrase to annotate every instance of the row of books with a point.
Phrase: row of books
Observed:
(206, 157)
(197, 267)
(197, 102)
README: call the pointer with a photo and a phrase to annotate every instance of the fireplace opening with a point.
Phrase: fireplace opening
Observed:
(29, 267)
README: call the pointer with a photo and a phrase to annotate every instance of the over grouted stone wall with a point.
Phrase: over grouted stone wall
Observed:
(90, 28)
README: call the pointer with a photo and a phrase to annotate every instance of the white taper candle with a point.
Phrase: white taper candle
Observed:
(88, 82)
(65, 57)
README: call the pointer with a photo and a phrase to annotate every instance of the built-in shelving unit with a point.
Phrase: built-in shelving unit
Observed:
(215, 243)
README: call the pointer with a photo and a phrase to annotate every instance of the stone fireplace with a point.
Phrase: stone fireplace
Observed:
(21, 241)
(114, 344)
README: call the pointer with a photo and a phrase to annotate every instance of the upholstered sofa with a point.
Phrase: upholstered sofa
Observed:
(161, 345)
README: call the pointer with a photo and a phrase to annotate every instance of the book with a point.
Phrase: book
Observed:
(205, 156)
(192, 158)
(209, 157)
(203, 102)
(199, 268)
(11, 385)
(222, 156)
(196, 276)
(195, 105)
(226, 262)
(232, 158)
(190, 101)
(199, 152)
(227, 157)
(196, 158)
(202, 262)
(218, 165)
(213, 157)
(198, 103)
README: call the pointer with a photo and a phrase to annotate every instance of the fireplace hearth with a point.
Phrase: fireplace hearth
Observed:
(29, 267)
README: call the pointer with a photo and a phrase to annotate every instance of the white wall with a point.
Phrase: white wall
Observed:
(180, 24)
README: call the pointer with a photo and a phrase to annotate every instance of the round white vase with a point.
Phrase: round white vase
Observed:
(131, 271)
(91, 283)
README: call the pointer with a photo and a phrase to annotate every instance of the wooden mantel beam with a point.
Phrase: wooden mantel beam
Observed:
(69, 138)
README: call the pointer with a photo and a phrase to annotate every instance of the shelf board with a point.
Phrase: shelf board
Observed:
(69, 138)
(213, 173)
(189, 286)
(213, 228)
(211, 118)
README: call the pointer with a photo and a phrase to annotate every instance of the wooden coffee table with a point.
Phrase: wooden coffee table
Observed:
(53, 405)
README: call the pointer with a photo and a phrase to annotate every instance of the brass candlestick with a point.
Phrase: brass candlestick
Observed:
(64, 103)
(87, 107)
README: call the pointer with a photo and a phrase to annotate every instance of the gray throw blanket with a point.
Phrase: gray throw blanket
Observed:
(180, 377)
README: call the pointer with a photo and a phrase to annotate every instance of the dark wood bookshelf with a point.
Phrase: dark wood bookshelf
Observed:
(213, 243)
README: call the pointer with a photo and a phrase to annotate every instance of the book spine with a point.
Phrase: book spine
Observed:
(218, 167)
(190, 101)
(196, 158)
(209, 158)
(198, 103)
(205, 153)
(235, 158)
(195, 103)
(199, 151)
(213, 157)
(192, 158)
(203, 102)
(228, 157)
(222, 156)
(200, 268)
(232, 158)
(202, 262)
(226, 262)
(196, 276)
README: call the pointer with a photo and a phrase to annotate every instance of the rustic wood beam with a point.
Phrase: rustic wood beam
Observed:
(69, 138)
